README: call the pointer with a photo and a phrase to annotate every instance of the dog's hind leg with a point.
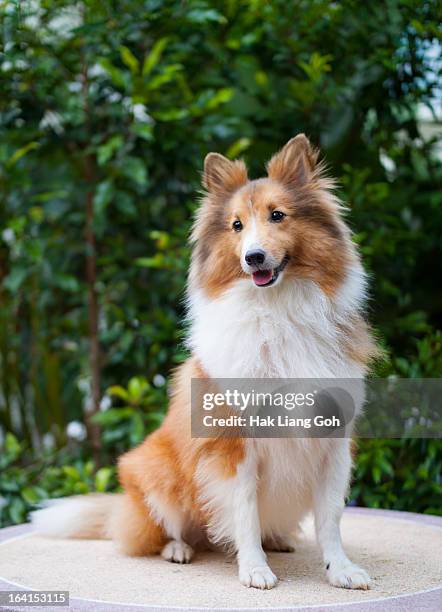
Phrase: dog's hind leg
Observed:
(133, 528)
(279, 543)
(172, 518)
(149, 472)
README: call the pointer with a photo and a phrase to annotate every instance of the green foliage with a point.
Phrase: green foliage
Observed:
(26, 481)
(116, 104)
(141, 412)
(399, 474)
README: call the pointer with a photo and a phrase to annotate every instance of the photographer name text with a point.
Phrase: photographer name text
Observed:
(269, 421)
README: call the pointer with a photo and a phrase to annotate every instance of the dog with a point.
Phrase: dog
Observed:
(276, 289)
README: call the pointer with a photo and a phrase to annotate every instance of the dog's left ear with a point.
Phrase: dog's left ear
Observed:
(294, 163)
(222, 176)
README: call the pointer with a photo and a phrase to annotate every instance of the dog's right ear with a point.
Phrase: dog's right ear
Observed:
(222, 176)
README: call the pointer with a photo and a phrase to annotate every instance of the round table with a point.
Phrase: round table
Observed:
(401, 551)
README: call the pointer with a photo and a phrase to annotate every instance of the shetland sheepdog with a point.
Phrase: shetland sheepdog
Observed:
(276, 290)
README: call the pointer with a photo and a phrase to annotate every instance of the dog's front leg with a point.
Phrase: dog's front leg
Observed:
(329, 501)
(253, 568)
(235, 518)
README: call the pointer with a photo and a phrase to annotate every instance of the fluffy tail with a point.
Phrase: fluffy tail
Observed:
(81, 516)
(120, 517)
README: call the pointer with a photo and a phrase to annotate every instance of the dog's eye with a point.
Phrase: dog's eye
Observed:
(237, 225)
(277, 216)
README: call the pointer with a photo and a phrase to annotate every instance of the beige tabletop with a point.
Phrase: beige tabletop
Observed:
(402, 556)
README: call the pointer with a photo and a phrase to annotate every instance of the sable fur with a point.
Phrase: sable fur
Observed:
(181, 492)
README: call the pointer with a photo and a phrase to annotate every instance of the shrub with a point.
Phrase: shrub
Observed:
(107, 111)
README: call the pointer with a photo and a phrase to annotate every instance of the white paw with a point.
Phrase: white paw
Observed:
(177, 552)
(260, 577)
(348, 576)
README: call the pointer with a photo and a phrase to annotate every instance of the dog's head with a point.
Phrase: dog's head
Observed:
(271, 230)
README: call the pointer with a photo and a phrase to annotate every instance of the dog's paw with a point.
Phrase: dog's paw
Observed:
(177, 552)
(260, 577)
(279, 544)
(348, 576)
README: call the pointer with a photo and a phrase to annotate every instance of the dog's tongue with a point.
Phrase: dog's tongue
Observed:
(262, 277)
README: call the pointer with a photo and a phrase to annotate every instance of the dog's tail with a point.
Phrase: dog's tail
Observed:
(80, 516)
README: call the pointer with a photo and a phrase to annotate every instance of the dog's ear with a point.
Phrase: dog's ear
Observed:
(222, 176)
(294, 163)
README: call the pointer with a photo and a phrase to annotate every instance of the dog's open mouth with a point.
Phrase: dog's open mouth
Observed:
(266, 278)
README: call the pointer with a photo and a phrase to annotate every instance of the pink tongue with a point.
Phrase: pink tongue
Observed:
(262, 277)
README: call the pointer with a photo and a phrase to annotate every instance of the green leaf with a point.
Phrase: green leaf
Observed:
(137, 387)
(137, 430)
(142, 130)
(221, 97)
(66, 282)
(15, 279)
(205, 15)
(12, 445)
(30, 495)
(19, 153)
(103, 196)
(125, 204)
(173, 114)
(116, 75)
(316, 66)
(17, 510)
(155, 55)
(134, 169)
(159, 261)
(102, 479)
(168, 73)
(238, 147)
(71, 471)
(107, 150)
(113, 416)
(118, 391)
(80, 488)
(129, 59)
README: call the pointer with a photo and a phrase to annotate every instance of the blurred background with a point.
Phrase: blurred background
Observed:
(108, 108)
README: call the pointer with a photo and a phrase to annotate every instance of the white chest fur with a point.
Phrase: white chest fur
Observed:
(289, 331)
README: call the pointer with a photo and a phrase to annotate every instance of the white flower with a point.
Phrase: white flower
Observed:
(6, 66)
(126, 103)
(48, 441)
(3, 502)
(84, 385)
(21, 64)
(70, 345)
(52, 120)
(140, 114)
(74, 86)
(32, 22)
(76, 431)
(67, 20)
(8, 235)
(115, 96)
(159, 380)
(105, 403)
(96, 70)
(88, 405)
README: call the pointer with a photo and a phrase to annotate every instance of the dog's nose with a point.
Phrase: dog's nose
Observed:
(255, 257)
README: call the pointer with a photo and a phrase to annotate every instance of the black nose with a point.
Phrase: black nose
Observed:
(255, 257)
